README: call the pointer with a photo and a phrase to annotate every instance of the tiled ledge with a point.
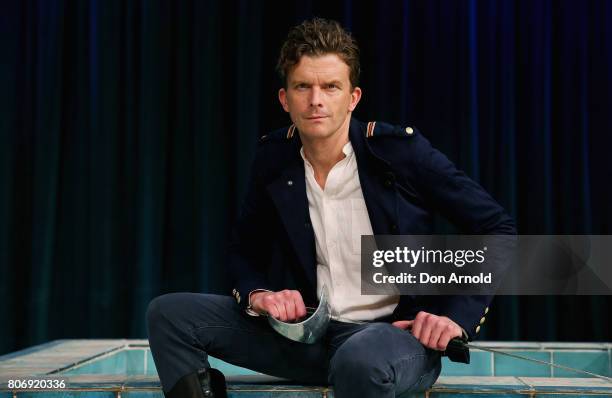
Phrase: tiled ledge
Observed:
(484, 377)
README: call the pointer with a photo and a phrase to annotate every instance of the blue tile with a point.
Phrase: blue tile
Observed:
(150, 369)
(507, 366)
(489, 394)
(479, 384)
(113, 364)
(568, 385)
(94, 381)
(142, 383)
(228, 369)
(135, 361)
(143, 394)
(593, 361)
(480, 365)
(275, 394)
(567, 396)
(67, 394)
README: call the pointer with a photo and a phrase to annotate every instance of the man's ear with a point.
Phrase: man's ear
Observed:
(355, 97)
(282, 97)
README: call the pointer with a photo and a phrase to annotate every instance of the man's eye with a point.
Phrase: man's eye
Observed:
(332, 86)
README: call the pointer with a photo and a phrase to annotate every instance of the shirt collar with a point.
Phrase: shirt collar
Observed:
(347, 149)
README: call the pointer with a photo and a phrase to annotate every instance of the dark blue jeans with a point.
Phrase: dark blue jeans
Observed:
(359, 360)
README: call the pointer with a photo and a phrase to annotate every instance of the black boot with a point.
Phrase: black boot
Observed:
(205, 383)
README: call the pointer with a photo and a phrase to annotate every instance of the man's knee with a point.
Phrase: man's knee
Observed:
(187, 311)
(163, 310)
(356, 359)
(371, 355)
(346, 366)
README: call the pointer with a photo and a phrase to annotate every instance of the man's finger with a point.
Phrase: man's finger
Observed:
(417, 326)
(300, 307)
(290, 309)
(426, 331)
(444, 339)
(436, 331)
(403, 324)
(282, 312)
(271, 310)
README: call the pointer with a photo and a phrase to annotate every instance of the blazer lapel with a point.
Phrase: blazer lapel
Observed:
(288, 192)
(377, 182)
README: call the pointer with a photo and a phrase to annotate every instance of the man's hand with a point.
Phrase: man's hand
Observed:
(286, 305)
(431, 330)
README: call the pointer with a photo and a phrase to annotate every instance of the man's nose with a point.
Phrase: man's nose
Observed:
(315, 97)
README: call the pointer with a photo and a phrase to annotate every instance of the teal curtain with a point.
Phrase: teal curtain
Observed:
(127, 129)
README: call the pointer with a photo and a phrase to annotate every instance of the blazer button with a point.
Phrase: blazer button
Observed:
(477, 328)
(389, 179)
(393, 227)
(482, 320)
(307, 225)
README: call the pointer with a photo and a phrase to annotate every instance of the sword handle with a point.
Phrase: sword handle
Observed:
(457, 351)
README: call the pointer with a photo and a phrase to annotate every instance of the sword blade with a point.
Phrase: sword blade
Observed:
(495, 351)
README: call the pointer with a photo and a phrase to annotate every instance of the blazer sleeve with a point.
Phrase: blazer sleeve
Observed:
(249, 244)
(467, 205)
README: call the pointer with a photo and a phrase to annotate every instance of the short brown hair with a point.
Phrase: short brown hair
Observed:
(318, 37)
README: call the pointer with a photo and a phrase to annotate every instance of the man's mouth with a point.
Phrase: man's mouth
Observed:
(316, 117)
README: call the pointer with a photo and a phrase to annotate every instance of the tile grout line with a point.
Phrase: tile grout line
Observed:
(145, 360)
(492, 364)
(550, 359)
(610, 361)
(532, 390)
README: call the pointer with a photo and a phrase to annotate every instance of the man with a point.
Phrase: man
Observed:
(317, 186)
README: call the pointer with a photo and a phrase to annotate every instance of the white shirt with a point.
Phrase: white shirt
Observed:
(339, 217)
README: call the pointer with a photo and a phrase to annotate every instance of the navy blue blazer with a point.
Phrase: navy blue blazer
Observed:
(404, 182)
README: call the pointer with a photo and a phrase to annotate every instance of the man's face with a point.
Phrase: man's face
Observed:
(319, 96)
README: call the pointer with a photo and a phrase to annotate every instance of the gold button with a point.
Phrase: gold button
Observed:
(477, 329)
(409, 130)
(234, 292)
(238, 298)
(482, 320)
(486, 310)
